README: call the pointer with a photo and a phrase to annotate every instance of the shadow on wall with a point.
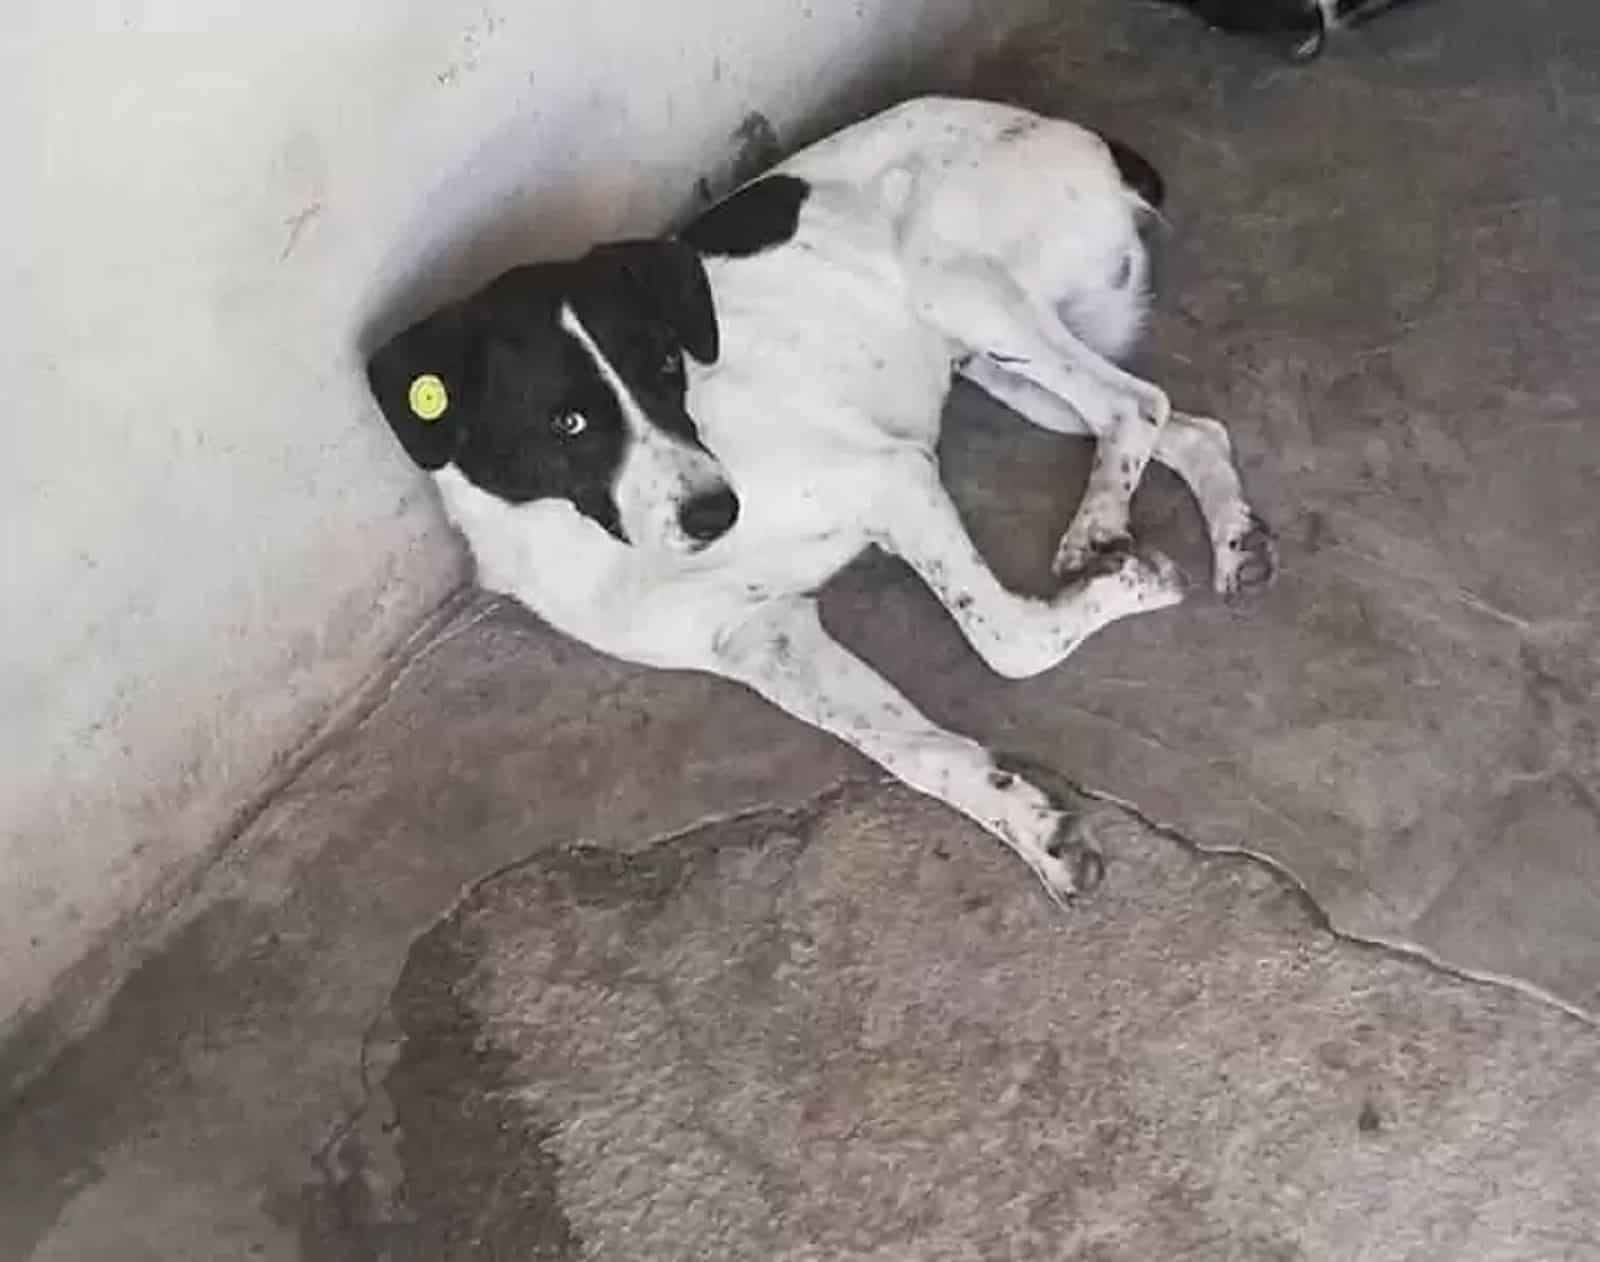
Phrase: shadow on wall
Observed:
(503, 240)
(520, 228)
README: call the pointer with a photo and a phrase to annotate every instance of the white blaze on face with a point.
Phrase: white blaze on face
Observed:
(659, 474)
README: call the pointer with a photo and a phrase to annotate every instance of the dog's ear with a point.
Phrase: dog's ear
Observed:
(668, 279)
(421, 379)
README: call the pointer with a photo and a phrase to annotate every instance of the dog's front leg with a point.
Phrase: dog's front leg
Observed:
(783, 653)
(1016, 635)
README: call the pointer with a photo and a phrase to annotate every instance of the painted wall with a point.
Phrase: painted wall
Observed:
(209, 537)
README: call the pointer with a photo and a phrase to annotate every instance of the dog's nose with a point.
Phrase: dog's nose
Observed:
(709, 515)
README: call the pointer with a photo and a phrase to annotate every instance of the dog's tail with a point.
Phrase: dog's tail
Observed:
(1138, 173)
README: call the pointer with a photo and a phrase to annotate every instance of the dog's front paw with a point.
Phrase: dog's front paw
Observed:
(1073, 865)
(1067, 858)
(1246, 558)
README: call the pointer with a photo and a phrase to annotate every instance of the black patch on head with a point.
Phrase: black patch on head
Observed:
(1138, 173)
(443, 346)
(656, 285)
(757, 217)
(515, 379)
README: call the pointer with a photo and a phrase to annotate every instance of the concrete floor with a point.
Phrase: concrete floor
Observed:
(552, 958)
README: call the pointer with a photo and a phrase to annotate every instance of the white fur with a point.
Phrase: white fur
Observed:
(661, 474)
(940, 234)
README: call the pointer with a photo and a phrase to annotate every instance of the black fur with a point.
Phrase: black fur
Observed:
(1138, 173)
(658, 280)
(1297, 25)
(758, 217)
(1265, 17)
(512, 373)
(1299, 22)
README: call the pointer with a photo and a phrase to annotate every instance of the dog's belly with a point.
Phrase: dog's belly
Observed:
(822, 336)
(811, 459)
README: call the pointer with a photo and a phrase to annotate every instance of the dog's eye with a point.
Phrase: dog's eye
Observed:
(672, 364)
(569, 424)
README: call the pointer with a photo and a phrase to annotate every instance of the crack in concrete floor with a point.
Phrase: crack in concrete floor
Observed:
(1399, 949)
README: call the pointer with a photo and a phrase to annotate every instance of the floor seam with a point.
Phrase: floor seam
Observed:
(1395, 948)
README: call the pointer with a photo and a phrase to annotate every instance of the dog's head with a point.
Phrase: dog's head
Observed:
(567, 381)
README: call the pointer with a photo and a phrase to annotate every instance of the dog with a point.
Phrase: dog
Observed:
(666, 447)
(1302, 25)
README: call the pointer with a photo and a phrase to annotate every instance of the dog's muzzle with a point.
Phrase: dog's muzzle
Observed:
(709, 515)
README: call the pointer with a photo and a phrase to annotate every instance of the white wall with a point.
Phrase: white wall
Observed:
(208, 537)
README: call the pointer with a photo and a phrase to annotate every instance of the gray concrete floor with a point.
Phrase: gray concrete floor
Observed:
(552, 958)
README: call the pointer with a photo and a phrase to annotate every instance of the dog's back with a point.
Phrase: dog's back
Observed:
(952, 179)
(814, 265)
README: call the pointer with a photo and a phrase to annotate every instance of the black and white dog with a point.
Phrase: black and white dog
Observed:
(665, 448)
(1302, 25)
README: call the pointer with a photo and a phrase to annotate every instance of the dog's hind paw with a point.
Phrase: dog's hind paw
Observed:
(1246, 559)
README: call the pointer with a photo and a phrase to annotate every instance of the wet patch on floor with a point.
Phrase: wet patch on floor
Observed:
(742, 1043)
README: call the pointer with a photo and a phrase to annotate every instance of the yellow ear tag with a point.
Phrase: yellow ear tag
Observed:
(428, 397)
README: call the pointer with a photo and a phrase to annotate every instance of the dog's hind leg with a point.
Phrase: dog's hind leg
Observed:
(1196, 448)
(783, 653)
(981, 306)
(1016, 635)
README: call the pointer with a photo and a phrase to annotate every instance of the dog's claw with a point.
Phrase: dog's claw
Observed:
(1082, 860)
(1248, 562)
(1100, 557)
(1072, 865)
